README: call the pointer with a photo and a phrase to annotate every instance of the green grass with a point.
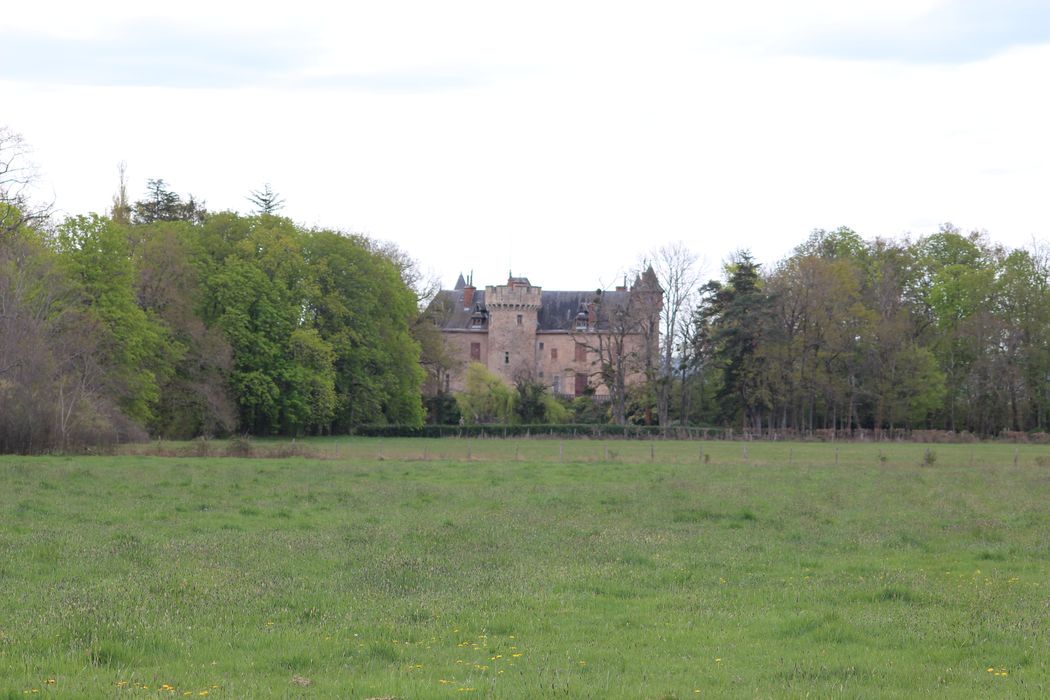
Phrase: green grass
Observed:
(536, 569)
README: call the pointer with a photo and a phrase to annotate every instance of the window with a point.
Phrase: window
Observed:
(541, 374)
(446, 383)
(554, 353)
(557, 383)
(519, 319)
(581, 384)
(506, 358)
(581, 352)
(541, 345)
(475, 351)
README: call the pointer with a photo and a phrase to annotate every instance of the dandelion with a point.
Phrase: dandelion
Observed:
(49, 681)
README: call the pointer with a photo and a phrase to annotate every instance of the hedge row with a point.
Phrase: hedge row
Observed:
(590, 430)
(584, 430)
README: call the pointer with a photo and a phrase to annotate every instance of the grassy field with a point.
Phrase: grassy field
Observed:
(535, 569)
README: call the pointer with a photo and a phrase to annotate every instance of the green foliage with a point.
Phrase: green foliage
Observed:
(733, 315)
(555, 410)
(586, 409)
(530, 405)
(195, 397)
(137, 353)
(318, 323)
(485, 398)
(362, 307)
(266, 200)
(161, 204)
(442, 409)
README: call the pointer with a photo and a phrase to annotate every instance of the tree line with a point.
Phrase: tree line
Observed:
(948, 331)
(162, 318)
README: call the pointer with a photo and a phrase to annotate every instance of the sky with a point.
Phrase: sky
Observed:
(563, 141)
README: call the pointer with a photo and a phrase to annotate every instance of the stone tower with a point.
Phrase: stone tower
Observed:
(513, 310)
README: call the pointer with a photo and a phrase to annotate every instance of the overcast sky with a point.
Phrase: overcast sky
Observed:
(560, 140)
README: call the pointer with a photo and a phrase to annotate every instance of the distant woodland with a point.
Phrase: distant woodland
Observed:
(162, 318)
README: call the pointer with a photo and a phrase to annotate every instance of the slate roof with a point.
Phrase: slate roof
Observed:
(557, 312)
(448, 309)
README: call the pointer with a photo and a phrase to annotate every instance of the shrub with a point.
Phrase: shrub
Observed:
(239, 446)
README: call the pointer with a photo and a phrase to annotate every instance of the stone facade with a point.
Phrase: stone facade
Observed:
(519, 329)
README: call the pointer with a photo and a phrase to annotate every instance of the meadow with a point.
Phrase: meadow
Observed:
(527, 569)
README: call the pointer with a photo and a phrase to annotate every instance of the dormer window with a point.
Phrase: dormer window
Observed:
(479, 317)
(581, 321)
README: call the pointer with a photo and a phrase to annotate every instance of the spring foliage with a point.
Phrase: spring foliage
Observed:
(205, 324)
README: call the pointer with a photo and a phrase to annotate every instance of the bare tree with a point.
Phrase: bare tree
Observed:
(18, 175)
(121, 211)
(609, 339)
(620, 331)
(678, 271)
(425, 283)
(435, 356)
(53, 389)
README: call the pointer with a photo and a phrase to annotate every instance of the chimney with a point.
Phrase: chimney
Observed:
(468, 295)
(621, 289)
(592, 315)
